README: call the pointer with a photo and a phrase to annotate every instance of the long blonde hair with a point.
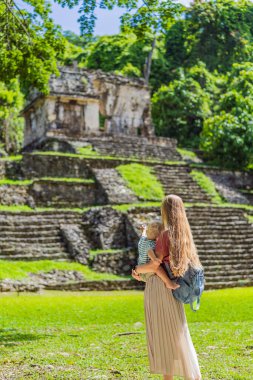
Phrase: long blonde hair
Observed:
(183, 251)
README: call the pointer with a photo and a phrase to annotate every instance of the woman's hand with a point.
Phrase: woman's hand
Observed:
(136, 275)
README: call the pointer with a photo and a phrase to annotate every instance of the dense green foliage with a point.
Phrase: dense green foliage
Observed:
(180, 108)
(216, 32)
(11, 124)
(96, 334)
(30, 44)
(227, 137)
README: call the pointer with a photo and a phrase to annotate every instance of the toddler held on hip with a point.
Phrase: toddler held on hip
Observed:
(148, 262)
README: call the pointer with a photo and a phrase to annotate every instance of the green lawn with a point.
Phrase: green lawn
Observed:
(18, 270)
(86, 335)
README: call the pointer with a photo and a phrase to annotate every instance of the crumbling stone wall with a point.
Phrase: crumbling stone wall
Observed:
(14, 195)
(78, 98)
(120, 263)
(2, 169)
(65, 194)
(37, 166)
(105, 228)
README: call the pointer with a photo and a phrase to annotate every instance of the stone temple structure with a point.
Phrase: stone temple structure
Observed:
(84, 102)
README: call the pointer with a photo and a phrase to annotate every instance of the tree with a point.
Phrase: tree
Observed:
(216, 32)
(152, 17)
(11, 124)
(227, 137)
(30, 44)
(179, 109)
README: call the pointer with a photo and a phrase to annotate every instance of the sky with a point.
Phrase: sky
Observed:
(108, 22)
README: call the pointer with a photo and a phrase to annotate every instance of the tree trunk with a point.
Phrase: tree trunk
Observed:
(147, 67)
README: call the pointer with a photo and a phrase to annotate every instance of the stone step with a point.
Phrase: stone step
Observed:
(19, 257)
(38, 222)
(218, 264)
(223, 255)
(11, 249)
(220, 240)
(48, 240)
(229, 277)
(235, 268)
(226, 284)
(29, 230)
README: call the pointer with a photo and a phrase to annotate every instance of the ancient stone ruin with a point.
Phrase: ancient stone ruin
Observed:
(84, 102)
(65, 199)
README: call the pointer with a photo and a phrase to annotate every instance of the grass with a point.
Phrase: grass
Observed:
(249, 217)
(11, 158)
(77, 335)
(18, 270)
(6, 181)
(87, 151)
(207, 185)
(66, 179)
(95, 252)
(187, 153)
(141, 181)
(123, 208)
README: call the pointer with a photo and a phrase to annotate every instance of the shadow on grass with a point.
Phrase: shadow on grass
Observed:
(12, 337)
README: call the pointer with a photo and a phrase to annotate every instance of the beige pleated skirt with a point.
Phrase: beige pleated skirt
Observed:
(170, 348)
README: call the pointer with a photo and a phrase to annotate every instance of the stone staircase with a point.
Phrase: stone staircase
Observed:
(224, 239)
(152, 148)
(176, 179)
(34, 236)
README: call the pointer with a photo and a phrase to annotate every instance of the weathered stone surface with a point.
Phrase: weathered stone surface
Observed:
(64, 194)
(36, 166)
(2, 169)
(120, 263)
(56, 277)
(229, 183)
(76, 242)
(142, 147)
(105, 228)
(76, 99)
(234, 179)
(114, 186)
(18, 286)
(100, 285)
(15, 195)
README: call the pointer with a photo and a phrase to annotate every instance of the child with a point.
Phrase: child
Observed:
(148, 263)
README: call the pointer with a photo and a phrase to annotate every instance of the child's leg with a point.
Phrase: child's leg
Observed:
(160, 272)
(147, 268)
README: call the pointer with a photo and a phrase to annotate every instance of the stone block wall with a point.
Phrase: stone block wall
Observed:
(64, 194)
(119, 263)
(105, 228)
(14, 195)
(36, 166)
(2, 169)
(141, 147)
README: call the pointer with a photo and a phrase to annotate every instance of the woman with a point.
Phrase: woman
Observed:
(170, 349)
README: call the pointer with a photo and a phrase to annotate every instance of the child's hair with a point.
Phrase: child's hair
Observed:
(153, 230)
(182, 249)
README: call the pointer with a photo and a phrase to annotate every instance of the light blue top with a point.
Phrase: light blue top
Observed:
(143, 246)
